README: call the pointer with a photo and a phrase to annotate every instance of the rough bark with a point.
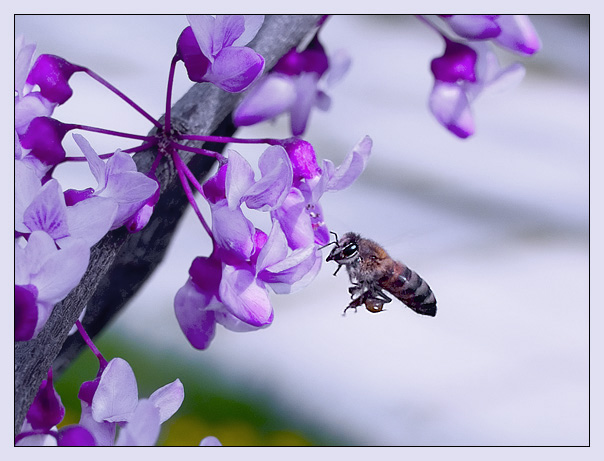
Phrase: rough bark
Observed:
(121, 262)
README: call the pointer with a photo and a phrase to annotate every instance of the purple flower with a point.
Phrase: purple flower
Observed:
(467, 69)
(235, 295)
(44, 275)
(301, 215)
(111, 400)
(514, 32)
(119, 180)
(45, 412)
(295, 85)
(213, 50)
(28, 104)
(43, 139)
(43, 208)
(461, 74)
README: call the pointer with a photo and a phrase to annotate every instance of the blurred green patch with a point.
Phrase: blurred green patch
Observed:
(212, 405)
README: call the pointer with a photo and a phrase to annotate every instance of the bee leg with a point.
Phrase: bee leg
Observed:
(356, 303)
(339, 265)
(375, 302)
(354, 290)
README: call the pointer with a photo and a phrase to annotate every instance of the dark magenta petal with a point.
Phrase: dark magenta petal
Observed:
(26, 312)
(46, 410)
(457, 63)
(75, 436)
(214, 189)
(303, 158)
(87, 390)
(312, 59)
(291, 63)
(73, 196)
(189, 52)
(206, 274)
(51, 74)
(44, 136)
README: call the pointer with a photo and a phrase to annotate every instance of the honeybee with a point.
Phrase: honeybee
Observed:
(371, 270)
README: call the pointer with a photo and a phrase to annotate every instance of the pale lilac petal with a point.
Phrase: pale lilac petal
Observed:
(203, 28)
(306, 93)
(252, 24)
(143, 426)
(518, 34)
(474, 26)
(168, 399)
(283, 276)
(235, 68)
(352, 166)
(271, 96)
(277, 176)
(232, 323)
(245, 296)
(295, 220)
(91, 219)
(48, 211)
(274, 250)
(195, 315)
(116, 397)
(339, 64)
(30, 257)
(227, 29)
(95, 163)
(239, 178)
(61, 272)
(23, 57)
(210, 441)
(449, 104)
(103, 432)
(232, 231)
(29, 107)
(27, 186)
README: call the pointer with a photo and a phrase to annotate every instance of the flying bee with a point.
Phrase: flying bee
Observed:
(371, 270)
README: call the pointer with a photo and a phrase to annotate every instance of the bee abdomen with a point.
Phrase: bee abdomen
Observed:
(412, 290)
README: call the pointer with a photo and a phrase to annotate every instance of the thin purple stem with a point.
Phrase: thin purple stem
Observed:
(130, 150)
(90, 344)
(104, 82)
(181, 168)
(167, 117)
(198, 150)
(110, 132)
(226, 139)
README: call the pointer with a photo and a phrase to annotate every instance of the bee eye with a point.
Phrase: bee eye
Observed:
(350, 250)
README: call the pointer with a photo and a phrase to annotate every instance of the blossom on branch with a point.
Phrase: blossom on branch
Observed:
(295, 85)
(469, 66)
(212, 49)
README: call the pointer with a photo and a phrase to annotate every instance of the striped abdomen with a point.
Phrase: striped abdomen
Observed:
(410, 288)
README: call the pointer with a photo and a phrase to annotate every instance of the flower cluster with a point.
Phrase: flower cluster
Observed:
(469, 66)
(108, 402)
(295, 85)
(230, 287)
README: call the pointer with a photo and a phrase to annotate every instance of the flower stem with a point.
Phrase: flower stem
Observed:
(226, 139)
(90, 344)
(197, 150)
(104, 82)
(167, 117)
(181, 168)
(111, 132)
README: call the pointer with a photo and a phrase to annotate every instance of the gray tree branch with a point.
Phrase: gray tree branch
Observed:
(121, 262)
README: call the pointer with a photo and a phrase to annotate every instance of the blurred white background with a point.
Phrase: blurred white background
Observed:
(497, 225)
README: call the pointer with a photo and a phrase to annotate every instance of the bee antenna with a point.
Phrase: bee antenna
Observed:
(331, 243)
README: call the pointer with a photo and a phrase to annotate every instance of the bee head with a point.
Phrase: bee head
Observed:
(346, 249)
